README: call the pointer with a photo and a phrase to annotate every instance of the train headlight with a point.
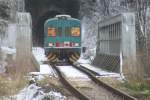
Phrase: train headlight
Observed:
(50, 44)
(76, 44)
(75, 31)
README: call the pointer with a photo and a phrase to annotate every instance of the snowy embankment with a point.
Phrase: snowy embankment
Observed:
(103, 73)
(40, 57)
(8, 50)
(38, 52)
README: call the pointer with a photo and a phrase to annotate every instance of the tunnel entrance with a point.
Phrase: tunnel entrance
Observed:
(41, 10)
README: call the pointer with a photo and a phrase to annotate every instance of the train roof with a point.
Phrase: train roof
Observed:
(68, 17)
(59, 16)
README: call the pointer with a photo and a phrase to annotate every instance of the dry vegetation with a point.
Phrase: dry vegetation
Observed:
(12, 81)
(135, 74)
(136, 89)
(10, 86)
(52, 83)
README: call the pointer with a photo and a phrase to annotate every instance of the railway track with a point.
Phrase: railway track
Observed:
(116, 94)
(109, 88)
(64, 81)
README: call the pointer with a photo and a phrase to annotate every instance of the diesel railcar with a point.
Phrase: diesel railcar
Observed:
(62, 37)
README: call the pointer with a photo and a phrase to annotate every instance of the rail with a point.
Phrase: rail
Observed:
(121, 94)
(73, 90)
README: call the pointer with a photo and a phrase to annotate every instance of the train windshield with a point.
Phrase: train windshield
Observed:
(59, 31)
(75, 31)
(51, 31)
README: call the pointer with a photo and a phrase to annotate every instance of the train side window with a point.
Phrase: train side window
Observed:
(51, 31)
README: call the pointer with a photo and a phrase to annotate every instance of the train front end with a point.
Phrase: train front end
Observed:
(62, 38)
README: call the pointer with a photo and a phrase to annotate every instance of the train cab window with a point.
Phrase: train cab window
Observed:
(59, 31)
(75, 31)
(51, 31)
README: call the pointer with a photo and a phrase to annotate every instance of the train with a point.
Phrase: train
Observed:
(62, 38)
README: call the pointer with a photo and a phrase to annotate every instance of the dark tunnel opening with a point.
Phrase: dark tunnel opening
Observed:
(40, 26)
(41, 10)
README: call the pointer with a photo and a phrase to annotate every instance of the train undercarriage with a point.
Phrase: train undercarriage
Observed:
(63, 55)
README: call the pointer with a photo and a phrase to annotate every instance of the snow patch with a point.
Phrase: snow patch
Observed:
(45, 69)
(71, 72)
(33, 92)
(88, 56)
(39, 54)
(103, 73)
(84, 61)
(8, 50)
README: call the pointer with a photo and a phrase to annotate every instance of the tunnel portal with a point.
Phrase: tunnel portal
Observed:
(41, 10)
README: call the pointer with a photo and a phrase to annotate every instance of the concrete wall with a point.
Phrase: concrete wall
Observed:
(24, 41)
(116, 36)
(128, 35)
(35, 62)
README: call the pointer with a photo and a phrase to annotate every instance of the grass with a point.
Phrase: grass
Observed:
(54, 84)
(85, 88)
(137, 88)
(13, 80)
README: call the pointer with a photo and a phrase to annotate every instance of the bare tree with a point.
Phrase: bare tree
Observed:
(105, 7)
(140, 7)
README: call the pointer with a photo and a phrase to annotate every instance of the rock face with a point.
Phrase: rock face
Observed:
(7, 16)
(91, 12)
(7, 9)
(7, 24)
(89, 17)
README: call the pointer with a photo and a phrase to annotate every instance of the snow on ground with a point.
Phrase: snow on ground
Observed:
(46, 69)
(33, 92)
(86, 63)
(101, 72)
(71, 72)
(88, 56)
(8, 50)
(39, 54)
